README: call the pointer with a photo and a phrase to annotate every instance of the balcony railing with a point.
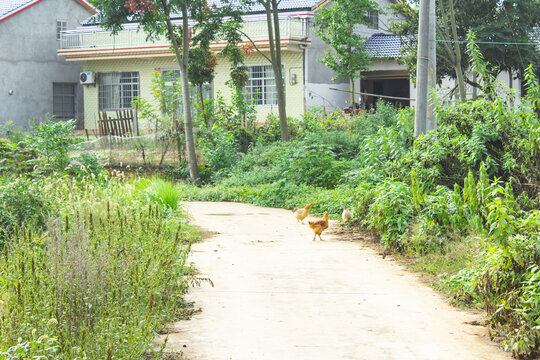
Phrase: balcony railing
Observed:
(290, 29)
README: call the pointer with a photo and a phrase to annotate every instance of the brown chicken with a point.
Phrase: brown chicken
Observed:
(301, 214)
(346, 215)
(318, 226)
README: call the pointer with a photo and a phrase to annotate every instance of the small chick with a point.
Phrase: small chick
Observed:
(318, 226)
(346, 215)
(301, 214)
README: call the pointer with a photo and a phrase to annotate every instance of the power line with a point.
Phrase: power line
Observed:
(374, 95)
(490, 42)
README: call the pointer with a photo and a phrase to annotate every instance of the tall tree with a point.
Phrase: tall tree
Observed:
(504, 30)
(274, 38)
(155, 18)
(337, 26)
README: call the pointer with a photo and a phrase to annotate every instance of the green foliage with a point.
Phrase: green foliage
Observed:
(52, 140)
(314, 165)
(109, 272)
(220, 148)
(164, 193)
(89, 165)
(15, 157)
(22, 200)
(390, 212)
(42, 347)
(7, 224)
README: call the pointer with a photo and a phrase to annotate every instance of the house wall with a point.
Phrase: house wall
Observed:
(292, 61)
(29, 63)
(294, 94)
(144, 66)
(319, 77)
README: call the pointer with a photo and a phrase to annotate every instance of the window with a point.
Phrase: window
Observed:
(117, 90)
(64, 100)
(61, 25)
(171, 82)
(261, 86)
(373, 20)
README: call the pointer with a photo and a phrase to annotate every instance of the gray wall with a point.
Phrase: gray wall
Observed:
(29, 63)
(319, 77)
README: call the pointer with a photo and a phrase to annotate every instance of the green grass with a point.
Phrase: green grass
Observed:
(107, 274)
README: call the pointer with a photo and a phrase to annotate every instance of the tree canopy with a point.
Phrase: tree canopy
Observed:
(504, 30)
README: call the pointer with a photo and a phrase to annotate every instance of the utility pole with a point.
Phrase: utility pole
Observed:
(420, 125)
(431, 120)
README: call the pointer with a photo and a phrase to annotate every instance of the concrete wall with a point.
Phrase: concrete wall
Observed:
(28, 61)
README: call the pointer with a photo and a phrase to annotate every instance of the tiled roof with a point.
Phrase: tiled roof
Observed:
(282, 5)
(10, 7)
(287, 5)
(384, 45)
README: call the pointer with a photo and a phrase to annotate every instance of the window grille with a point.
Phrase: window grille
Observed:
(61, 25)
(117, 90)
(261, 86)
(64, 100)
(171, 81)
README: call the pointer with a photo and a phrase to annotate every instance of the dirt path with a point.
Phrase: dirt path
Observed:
(279, 295)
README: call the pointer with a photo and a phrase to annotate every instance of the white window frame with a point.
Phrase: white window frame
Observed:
(262, 89)
(61, 25)
(116, 90)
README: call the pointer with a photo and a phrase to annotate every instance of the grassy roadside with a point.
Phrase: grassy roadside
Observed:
(98, 277)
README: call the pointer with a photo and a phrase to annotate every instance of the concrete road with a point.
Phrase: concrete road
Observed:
(278, 295)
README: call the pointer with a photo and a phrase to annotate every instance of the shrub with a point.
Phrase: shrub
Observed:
(21, 199)
(51, 140)
(88, 164)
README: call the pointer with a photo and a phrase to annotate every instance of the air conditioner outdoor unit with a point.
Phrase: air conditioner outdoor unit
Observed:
(87, 77)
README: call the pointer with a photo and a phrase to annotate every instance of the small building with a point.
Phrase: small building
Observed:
(34, 81)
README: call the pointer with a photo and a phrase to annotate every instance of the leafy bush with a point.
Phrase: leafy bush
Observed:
(51, 140)
(314, 165)
(21, 199)
(88, 164)
(15, 157)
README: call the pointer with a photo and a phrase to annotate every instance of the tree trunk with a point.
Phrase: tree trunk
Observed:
(201, 99)
(352, 95)
(176, 132)
(272, 17)
(182, 62)
(459, 71)
(188, 124)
